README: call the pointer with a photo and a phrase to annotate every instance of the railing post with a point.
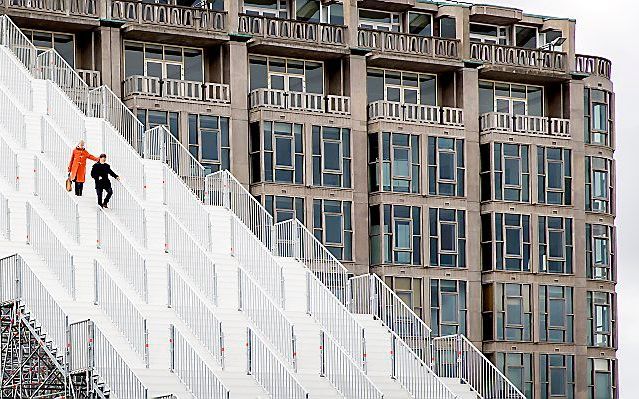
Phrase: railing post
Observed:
(393, 356)
(249, 347)
(372, 296)
(458, 355)
(172, 348)
(146, 344)
(226, 192)
(322, 354)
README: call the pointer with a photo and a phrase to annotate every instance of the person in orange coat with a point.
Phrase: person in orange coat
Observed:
(78, 166)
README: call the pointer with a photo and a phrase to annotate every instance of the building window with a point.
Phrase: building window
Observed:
(506, 246)
(600, 258)
(555, 245)
(508, 98)
(518, 368)
(601, 319)
(379, 20)
(556, 316)
(209, 141)
(557, 376)
(332, 226)
(526, 36)
(601, 379)
(448, 307)
(485, 33)
(331, 156)
(597, 117)
(151, 118)
(447, 28)
(447, 237)
(284, 208)
(317, 12)
(409, 290)
(267, 8)
(395, 234)
(399, 166)
(163, 62)
(509, 168)
(420, 23)
(511, 318)
(554, 176)
(63, 43)
(401, 87)
(598, 184)
(446, 169)
(282, 151)
(286, 75)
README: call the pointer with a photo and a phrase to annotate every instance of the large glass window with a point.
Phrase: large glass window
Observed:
(602, 378)
(267, 8)
(485, 33)
(333, 227)
(315, 11)
(600, 246)
(518, 368)
(286, 74)
(284, 208)
(401, 87)
(508, 165)
(331, 156)
(209, 141)
(557, 376)
(447, 27)
(597, 117)
(556, 315)
(555, 245)
(526, 37)
(152, 118)
(379, 20)
(599, 188)
(507, 312)
(554, 176)
(448, 307)
(280, 158)
(446, 166)
(420, 23)
(447, 237)
(396, 157)
(63, 43)
(510, 98)
(395, 234)
(506, 246)
(409, 290)
(601, 319)
(163, 62)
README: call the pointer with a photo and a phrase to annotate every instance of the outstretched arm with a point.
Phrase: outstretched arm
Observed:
(112, 173)
(91, 157)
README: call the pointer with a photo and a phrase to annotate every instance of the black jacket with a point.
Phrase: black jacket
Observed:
(100, 172)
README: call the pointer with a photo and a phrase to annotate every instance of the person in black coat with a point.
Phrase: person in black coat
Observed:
(100, 172)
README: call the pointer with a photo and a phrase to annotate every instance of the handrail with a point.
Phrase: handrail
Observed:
(270, 372)
(12, 37)
(13, 119)
(51, 66)
(9, 165)
(456, 357)
(66, 115)
(56, 147)
(16, 80)
(5, 217)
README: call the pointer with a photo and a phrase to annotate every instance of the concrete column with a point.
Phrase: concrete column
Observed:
(238, 81)
(111, 58)
(351, 19)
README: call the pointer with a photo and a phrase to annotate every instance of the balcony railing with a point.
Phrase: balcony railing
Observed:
(518, 56)
(415, 113)
(405, 43)
(310, 32)
(83, 8)
(593, 65)
(197, 18)
(91, 78)
(298, 101)
(525, 124)
(176, 89)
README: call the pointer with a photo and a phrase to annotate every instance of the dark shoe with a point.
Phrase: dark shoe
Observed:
(105, 206)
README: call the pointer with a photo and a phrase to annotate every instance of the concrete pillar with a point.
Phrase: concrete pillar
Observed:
(111, 63)
(238, 81)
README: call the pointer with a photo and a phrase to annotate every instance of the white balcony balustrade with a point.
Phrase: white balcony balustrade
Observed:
(406, 43)
(497, 54)
(167, 15)
(415, 113)
(299, 101)
(593, 65)
(188, 90)
(524, 124)
(278, 28)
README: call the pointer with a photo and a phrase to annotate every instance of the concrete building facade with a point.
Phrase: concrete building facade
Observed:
(463, 152)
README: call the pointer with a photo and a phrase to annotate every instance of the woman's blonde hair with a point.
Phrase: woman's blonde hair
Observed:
(81, 143)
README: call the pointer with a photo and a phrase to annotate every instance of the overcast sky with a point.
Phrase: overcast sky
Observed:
(604, 28)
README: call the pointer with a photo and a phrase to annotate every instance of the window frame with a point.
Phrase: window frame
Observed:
(286, 75)
(546, 298)
(29, 34)
(600, 232)
(502, 34)
(435, 234)
(392, 26)
(603, 300)
(421, 97)
(163, 60)
(221, 162)
(345, 177)
(435, 288)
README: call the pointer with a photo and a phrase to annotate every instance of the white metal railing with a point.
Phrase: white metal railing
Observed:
(129, 211)
(370, 295)
(16, 80)
(121, 310)
(123, 254)
(196, 314)
(17, 281)
(124, 159)
(189, 367)
(13, 38)
(267, 317)
(257, 260)
(223, 189)
(292, 239)
(5, 217)
(46, 244)
(343, 372)
(55, 146)
(527, 124)
(9, 164)
(80, 336)
(415, 375)
(51, 66)
(52, 193)
(68, 118)
(270, 372)
(12, 119)
(191, 257)
(456, 357)
(335, 319)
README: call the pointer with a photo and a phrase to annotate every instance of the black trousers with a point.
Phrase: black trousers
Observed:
(109, 193)
(78, 188)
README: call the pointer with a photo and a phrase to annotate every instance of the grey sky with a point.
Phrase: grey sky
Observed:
(604, 28)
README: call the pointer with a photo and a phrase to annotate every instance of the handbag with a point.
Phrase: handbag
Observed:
(69, 184)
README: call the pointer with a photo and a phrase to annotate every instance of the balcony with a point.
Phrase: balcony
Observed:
(297, 101)
(405, 43)
(593, 65)
(415, 113)
(174, 89)
(291, 30)
(91, 78)
(524, 124)
(535, 59)
(77, 8)
(168, 15)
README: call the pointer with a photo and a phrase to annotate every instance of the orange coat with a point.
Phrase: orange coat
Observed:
(78, 164)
